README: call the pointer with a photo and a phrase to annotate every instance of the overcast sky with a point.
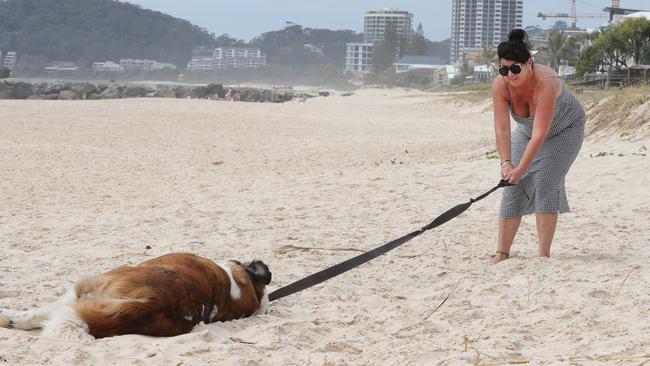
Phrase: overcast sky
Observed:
(245, 19)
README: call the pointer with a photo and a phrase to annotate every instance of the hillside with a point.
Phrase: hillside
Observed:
(95, 30)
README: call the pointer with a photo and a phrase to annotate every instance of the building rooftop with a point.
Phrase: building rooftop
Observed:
(421, 60)
(386, 11)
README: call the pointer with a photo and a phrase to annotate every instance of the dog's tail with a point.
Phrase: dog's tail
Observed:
(111, 307)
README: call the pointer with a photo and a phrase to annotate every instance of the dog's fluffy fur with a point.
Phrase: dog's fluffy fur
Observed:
(165, 296)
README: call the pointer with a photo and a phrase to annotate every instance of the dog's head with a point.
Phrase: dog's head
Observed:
(260, 276)
(258, 271)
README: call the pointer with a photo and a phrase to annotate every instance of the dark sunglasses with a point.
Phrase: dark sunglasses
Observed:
(514, 68)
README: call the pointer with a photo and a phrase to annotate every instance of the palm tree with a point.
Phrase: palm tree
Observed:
(488, 57)
(559, 49)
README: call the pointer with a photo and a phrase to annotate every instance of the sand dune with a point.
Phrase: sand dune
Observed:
(86, 186)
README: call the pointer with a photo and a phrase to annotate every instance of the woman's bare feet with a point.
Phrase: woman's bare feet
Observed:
(500, 256)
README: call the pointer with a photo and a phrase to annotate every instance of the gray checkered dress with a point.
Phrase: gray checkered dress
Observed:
(541, 190)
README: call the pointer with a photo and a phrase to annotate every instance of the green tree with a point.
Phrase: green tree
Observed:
(560, 25)
(613, 48)
(560, 48)
(645, 55)
(4, 72)
(636, 35)
(590, 60)
(418, 45)
(386, 51)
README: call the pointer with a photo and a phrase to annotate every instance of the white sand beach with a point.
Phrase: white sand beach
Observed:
(86, 186)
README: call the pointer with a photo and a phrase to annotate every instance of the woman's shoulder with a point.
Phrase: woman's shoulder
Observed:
(548, 81)
(499, 89)
(543, 72)
(498, 84)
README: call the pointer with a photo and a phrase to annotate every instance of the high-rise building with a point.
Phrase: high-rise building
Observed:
(358, 56)
(479, 23)
(375, 23)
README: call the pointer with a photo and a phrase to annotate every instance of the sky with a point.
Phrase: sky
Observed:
(245, 19)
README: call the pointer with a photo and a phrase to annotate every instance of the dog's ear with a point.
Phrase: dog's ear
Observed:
(258, 271)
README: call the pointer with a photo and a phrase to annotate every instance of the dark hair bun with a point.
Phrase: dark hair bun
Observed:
(519, 35)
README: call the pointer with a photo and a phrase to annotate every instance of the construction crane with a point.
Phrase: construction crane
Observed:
(574, 16)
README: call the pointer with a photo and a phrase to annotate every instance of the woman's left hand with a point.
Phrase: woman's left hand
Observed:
(515, 175)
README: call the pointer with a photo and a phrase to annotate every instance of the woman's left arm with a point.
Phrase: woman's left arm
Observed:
(546, 95)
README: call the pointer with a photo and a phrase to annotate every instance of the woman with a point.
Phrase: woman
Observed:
(540, 150)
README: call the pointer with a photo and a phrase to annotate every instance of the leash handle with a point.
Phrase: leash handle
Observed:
(505, 183)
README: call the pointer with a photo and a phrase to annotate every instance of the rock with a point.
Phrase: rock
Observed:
(5, 90)
(68, 95)
(135, 91)
(22, 90)
(215, 89)
(200, 92)
(324, 93)
(52, 88)
(83, 90)
(111, 92)
(182, 92)
(165, 93)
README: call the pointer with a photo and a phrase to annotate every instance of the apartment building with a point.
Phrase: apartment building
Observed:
(239, 57)
(358, 57)
(147, 65)
(479, 23)
(375, 23)
(224, 58)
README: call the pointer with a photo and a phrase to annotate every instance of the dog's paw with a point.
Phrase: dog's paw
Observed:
(5, 318)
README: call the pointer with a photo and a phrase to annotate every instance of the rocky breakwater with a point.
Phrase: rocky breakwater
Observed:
(10, 89)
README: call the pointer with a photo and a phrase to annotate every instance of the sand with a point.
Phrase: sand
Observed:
(87, 185)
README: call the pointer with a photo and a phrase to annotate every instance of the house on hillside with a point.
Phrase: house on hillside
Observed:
(429, 66)
(62, 66)
(10, 60)
(107, 66)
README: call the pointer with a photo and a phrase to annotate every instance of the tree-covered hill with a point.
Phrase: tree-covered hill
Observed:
(296, 46)
(96, 30)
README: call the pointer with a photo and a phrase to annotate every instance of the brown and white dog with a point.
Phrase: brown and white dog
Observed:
(164, 296)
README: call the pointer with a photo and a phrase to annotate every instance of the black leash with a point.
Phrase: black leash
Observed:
(347, 265)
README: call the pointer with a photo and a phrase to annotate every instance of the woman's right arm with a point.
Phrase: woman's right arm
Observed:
(502, 124)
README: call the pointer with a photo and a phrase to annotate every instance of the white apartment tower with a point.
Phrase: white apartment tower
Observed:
(358, 57)
(479, 23)
(375, 23)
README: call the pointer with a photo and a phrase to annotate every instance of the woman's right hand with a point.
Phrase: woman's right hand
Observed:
(506, 171)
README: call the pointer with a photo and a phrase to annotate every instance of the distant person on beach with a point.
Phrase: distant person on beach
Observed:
(538, 153)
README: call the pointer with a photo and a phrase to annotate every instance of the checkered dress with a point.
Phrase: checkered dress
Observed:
(541, 190)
